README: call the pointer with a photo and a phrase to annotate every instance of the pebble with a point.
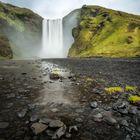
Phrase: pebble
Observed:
(94, 104)
(54, 110)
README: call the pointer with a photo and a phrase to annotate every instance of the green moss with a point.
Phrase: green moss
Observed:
(112, 90)
(130, 88)
(134, 99)
(110, 34)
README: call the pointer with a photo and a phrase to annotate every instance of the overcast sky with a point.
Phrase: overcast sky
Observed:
(59, 8)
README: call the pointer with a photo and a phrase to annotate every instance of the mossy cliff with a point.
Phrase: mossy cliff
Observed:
(106, 33)
(22, 28)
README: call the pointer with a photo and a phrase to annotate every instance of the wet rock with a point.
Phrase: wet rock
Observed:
(12, 95)
(34, 118)
(27, 138)
(50, 132)
(31, 106)
(121, 105)
(60, 132)
(38, 128)
(80, 120)
(124, 123)
(9, 105)
(45, 120)
(108, 118)
(20, 133)
(79, 110)
(123, 111)
(98, 117)
(56, 123)
(4, 125)
(22, 113)
(132, 110)
(68, 135)
(73, 128)
(128, 137)
(54, 76)
(54, 110)
(94, 105)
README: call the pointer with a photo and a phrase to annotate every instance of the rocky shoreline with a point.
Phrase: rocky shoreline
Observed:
(69, 99)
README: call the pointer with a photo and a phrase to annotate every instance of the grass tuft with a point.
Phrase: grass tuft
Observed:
(130, 88)
(134, 99)
(112, 90)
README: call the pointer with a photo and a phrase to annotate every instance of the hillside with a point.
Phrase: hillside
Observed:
(22, 28)
(106, 33)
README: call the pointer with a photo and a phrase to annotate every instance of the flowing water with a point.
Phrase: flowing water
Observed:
(52, 38)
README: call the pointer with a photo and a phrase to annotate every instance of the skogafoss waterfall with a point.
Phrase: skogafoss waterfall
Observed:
(52, 38)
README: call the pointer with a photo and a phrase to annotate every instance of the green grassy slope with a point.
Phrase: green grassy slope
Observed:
(106, 33)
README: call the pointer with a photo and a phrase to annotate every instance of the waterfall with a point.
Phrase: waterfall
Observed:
(52, 38)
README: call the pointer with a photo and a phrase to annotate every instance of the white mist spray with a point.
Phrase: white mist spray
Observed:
(52, 38)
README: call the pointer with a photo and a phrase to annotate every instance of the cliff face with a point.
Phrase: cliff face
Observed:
(22, 28)
(106, 33)
(69, 22)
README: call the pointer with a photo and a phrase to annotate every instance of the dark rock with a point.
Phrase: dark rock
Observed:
(9, 105)
(45, 120)
(60, 132)
(12, 95)
(121, 105)
(124, 123)
(123, 111)
(50, 132)
(94, 104)
(38, 128)
(27, 138)
(80, 120)
(132, 110)
(98, 117)
(73, 128)
(22, 113)
(128, 137)
(4, 125)
(68, 135)
(24, 73)
(20, 133)
(108, 118)
(34, 118)
(54, 76)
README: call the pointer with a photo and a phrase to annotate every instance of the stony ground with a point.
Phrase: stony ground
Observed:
(66, 99)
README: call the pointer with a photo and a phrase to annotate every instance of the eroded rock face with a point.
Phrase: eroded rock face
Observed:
(5, 48)
(23, 29)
